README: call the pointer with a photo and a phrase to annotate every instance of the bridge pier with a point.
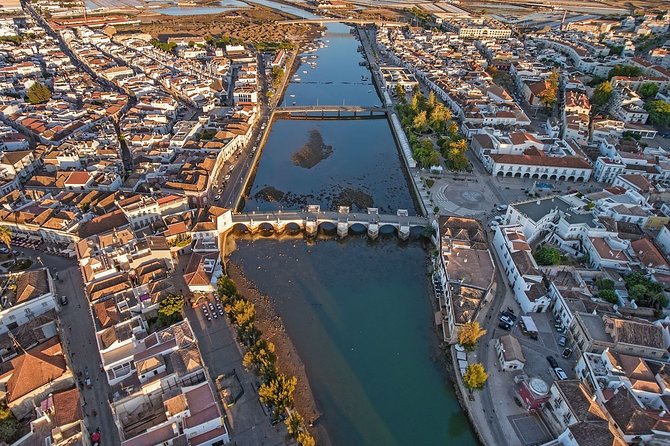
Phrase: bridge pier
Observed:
(403, 232)
(342, 229)
(373, 230)
(311, 228)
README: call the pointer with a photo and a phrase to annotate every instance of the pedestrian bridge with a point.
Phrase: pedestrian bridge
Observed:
(319, 111)
(310, 219)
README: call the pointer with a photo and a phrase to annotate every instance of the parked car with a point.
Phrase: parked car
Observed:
(217, 198)
(508, 314)
(499, 218)
(505, 326)
(227, 177)
(567, 353)
(494, 225)
(63, 300)
(562, 341)
(501, 207)
(560, 374)
(507, 320)
(552, 361)
(4, 250)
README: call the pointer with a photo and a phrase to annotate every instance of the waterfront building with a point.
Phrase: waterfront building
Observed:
(465, 271)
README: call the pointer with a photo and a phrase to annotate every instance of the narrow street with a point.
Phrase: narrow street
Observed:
(78, 337)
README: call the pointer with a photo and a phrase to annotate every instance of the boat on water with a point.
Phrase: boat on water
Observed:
(297, 79)
(364, 78)
(292, 95)
(304, 71)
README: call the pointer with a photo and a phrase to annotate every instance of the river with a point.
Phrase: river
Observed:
(358, 312)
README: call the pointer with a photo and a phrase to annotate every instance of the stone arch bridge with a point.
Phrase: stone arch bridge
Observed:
(312, 217)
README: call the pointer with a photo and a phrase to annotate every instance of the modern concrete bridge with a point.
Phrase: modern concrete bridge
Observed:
(309, 220)
(312, 111)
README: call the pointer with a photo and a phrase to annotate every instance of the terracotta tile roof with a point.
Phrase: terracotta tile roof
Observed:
(67, 407)
(35, 368)
(568, 162)
(648, 254)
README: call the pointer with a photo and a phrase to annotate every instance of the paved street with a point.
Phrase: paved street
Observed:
(78, 337)
(222, 354)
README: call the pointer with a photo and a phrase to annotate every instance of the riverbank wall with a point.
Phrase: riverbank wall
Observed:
(292, 66)
(396, 129)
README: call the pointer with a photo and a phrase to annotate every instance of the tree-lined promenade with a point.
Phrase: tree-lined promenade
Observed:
(431, 131)
(276, 390)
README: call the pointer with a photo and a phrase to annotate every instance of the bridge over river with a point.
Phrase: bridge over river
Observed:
(352, 21)
(336, 111)
(312, 217)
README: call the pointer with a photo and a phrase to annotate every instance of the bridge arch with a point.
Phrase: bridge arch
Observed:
(387, 229)
(327, 227)
(240, 228)
(357, 228)
(292, 227)
(266, 228)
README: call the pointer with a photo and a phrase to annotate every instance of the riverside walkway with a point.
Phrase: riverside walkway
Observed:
(312, 217)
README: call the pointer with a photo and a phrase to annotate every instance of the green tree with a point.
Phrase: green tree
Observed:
(602, 94)
(648, 90)
(644, 291)
(38, 94)
(10, 429)
(469, 334)
(609, 295)
(278, 393)
(475, 376)
(624, 70)
(226, 287)
(604, 284)
(546, 255)
(170, 310)
(454, 154)
(659, 112)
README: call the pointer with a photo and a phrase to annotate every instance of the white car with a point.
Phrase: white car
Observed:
(560, 374)
(499, 218)
(217, 198)
(227, 177)
(493, 226)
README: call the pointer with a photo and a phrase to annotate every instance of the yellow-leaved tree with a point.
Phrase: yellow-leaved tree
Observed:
(475, 376)
(469, 334)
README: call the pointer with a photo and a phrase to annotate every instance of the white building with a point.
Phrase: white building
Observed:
(510, 354)
(521, 270)
(25, 295)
